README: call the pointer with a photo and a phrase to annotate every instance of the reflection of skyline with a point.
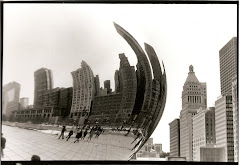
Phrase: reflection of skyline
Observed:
(49, 42)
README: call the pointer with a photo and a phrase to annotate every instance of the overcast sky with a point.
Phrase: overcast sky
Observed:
(60, 36)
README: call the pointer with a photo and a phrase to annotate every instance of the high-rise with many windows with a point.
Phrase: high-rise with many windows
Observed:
(224, 126)
(83, 93)
(10, 101)
(228, 65)
(194, 96)
(235, 117)
(42, 82)
(203, 129)
(175, 138)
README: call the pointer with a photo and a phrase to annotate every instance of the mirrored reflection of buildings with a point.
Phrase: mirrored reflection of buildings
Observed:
(149, 151)
(128, 115)
(137, 102)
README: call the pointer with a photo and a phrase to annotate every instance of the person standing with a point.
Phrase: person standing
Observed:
(62, 132)
(3, 143)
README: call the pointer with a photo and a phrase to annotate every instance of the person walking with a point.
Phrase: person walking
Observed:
(62, 132)
(3, 143)
(85, 134)
(79, 135)
(69, 134)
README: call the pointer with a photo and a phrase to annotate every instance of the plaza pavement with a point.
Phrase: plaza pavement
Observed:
(21, 144)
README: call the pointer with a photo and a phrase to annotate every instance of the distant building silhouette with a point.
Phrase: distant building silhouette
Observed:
(10, 94)
(24, 102)
(43, 81)
(107, 85)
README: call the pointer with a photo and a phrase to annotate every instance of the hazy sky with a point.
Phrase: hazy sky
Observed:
(60, 36)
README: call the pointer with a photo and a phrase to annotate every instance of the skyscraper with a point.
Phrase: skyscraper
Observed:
(24, 102)
(224, 126)
(144, 78)
(128, 88)
(107, 85)
(83, 93)
(228, 65)
(194, 96)
(42, 82)
(175, 138)
(97, 85)
(235, 116)
(203, 129)
(11, 92)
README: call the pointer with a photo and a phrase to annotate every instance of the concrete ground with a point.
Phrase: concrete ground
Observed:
(21, 144)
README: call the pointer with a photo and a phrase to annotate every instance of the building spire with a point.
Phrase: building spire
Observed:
(191, 69)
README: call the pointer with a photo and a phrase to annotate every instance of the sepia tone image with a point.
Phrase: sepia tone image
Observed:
(119, 82)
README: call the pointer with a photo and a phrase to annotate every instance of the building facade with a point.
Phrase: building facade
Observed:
(43, 81)
(203, 129)
(11, 92)
(235, 116)
(175, 138)
(228, 65)
(194, 96)
(83, 93)
(224, 126)
(210, 154)
(24, 102)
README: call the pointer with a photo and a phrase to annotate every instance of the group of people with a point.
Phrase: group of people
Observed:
(81, 133)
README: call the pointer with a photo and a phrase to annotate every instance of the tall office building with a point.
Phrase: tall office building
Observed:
(235, 116)
(83, 92)
(194, 96)
(175, 138)
(97, 85)
(11, 92)
(128, 89)
(228, 65)
(43, 81)
(203, 130)
(117, 108)
(144, 78)
(24, 102)
(107, 86)
(224, 126)
(117, 85)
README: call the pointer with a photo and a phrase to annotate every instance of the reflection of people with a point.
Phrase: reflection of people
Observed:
(35, 158)
(137, 143)
(138, 135)
(84, 134)
(69, 134)
(3, 143)
(79, 135)
(62, 132)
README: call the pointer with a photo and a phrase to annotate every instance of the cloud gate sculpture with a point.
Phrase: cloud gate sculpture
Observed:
(138, 103)
(117, 124)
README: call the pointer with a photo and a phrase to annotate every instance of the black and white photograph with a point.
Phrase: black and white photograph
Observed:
(119, 81)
